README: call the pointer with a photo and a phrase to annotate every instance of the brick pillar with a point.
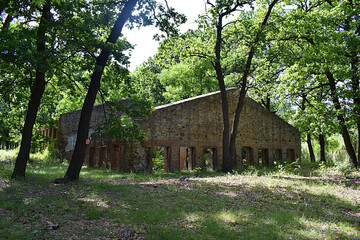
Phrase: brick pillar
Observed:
(175, 158)
(271, 156)
(256, 156)
(278, 156)
(219, 158)
(283, 153)
(87, 154)
(199, 156)
(116, 162)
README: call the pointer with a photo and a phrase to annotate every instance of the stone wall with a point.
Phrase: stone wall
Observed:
(68, 126)
(196, 124)
(190, 129)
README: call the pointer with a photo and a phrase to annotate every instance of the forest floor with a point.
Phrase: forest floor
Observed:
(296, 202)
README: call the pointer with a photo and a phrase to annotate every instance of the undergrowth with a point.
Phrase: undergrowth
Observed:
(299, 200)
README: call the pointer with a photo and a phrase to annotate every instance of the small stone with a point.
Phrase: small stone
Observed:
(183, 178)
(53, 227)
(128, 233)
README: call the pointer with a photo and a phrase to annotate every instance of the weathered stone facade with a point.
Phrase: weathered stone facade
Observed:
(187, 130)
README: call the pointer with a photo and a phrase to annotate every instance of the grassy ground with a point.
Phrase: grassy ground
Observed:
(287, 202)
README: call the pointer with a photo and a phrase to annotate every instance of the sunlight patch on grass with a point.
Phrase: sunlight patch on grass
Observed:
(227, 217)
(317, 229)
(3, 184)
(96, 202)
(227, 193)
(193, 217)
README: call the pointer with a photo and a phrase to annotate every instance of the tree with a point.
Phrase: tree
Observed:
(326, 45)
(229, 46)
(84, 122)
(37, 90)
(189, 78)
(145, 82)
(48, 42)
(164, 21)
(219, 11)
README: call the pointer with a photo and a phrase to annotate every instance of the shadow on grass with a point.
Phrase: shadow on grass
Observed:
(105, 204)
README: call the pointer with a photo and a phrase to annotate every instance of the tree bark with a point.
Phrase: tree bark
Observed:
(37, 91)
(311, 150)
(227, 165)
(355, 82)
(322, 148)
(243, 90)
(84, 123)
(344, 131)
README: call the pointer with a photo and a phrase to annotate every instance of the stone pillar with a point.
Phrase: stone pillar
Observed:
(271, 156)
(96, 156)
(219, 161)
(256, 156)
(199, 156)
(116, 163)
(191, 155)
(87, 154)
(175, 158)
(283, 153)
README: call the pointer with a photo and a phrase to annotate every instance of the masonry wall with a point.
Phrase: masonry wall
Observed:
(186, 130)
(197, 123)
(68, 126)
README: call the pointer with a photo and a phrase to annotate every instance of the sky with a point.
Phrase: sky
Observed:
(142, 38)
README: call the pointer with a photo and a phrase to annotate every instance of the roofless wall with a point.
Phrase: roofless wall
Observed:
(190, 134)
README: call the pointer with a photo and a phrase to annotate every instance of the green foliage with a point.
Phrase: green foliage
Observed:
(290, 167)
(188, 78)
(121, 121)
(158, 160)
(145, 82)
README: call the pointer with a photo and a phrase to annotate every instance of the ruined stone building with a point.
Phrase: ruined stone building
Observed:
(189, 131)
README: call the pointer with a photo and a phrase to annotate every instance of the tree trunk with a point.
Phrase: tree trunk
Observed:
(243, 90)
(355, 82)
(345, 133)
(322, 148)
(37, 91)
(227, 165)
(311, 150)
(239, 107)
(84, 123)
